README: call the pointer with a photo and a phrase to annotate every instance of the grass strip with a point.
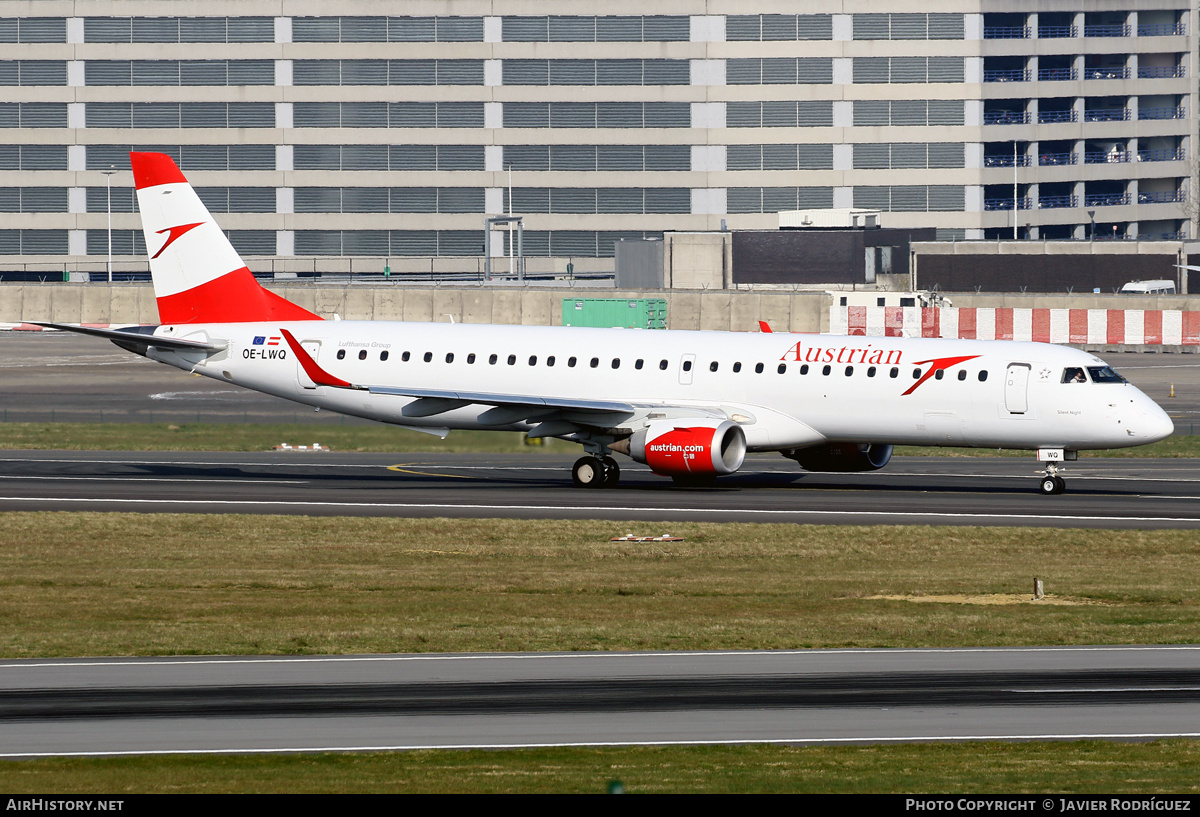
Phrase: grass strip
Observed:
(952, 768)
(74, 584)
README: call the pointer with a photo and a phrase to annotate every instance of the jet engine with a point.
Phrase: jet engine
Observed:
(685, 447)
(842, 457)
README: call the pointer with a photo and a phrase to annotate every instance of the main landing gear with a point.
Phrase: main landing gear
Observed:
(595, 472)
(1051, 483)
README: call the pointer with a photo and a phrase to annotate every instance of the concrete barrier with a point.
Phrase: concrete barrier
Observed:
(1077, 327)
(130, 304)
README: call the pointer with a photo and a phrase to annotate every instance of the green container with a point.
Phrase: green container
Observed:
(630, 313)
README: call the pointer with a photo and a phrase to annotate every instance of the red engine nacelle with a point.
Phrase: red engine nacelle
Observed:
(846, 457)
(686, 447)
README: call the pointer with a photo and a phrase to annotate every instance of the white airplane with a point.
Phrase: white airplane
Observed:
(688, 404)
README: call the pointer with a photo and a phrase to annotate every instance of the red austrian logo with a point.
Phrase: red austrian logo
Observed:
(844, 354)
(938, 364)
(175, 232)
(870, 355)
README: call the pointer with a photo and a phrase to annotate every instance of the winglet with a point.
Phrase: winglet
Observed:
(315, 373)
(763, 326)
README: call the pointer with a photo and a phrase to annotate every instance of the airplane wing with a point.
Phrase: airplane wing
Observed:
(506, 408)
(138, 336)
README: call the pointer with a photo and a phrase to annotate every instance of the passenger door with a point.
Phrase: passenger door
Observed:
(313, 347)
(1016, 388)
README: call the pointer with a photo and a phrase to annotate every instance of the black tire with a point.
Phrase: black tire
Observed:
(1049, 486)
(588, 472)
(1060, 485)
(612, 472)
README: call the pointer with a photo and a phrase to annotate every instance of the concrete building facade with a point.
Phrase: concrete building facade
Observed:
(386, 131)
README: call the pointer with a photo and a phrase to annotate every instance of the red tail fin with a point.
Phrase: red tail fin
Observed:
(198, 275)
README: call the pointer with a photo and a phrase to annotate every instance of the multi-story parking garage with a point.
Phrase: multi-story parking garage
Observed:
(389, 130)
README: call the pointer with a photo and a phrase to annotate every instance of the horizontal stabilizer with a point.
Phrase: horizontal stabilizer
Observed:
(142, 336)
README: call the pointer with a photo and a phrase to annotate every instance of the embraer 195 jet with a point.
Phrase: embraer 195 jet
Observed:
(688, 404)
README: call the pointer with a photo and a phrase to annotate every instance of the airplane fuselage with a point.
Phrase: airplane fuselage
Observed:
(785, 390)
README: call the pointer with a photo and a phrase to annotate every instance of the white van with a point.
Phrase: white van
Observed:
(1159, 287)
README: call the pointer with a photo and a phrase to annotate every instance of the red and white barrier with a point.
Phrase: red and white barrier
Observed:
(1139, 327)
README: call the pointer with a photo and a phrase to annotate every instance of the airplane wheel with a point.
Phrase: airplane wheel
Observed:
(588, 472)
(612, 472)
(1051, 486)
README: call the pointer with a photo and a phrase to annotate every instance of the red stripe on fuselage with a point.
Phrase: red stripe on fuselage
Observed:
(315, 373)
(233, 298)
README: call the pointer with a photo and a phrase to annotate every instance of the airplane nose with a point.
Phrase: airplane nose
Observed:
(1154, 424)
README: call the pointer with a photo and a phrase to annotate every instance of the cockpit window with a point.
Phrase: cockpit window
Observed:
(1074, 374)
(1104, 374)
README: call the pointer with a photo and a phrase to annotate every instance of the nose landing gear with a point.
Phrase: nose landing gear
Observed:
(1051, 483)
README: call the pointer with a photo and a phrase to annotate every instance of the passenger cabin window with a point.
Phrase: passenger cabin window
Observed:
(871, 371)
(616, 363)
(449, 357)
(917, 373)
(638, 363)
(782, 368)
(362, 354)
(512, 360)
(404, 357)
(712, 367)
(471, 358)
(383, 355)
(758, 368)
(492, 359)
(687, 365)
(849, 371)
(825, 370)
(962, 375)
(571, 362)
(895, 372)
(594, 362)
(428, 356)
(662, 364)
(341, 355)
(550, 360)
(982, 376)
(1074, 374)
(1104, 374)
(939, 374)
(804, 368)
(533, 360)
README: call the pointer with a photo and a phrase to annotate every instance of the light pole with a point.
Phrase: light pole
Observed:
(1092, 216)
(1016, 202)
(108, 174)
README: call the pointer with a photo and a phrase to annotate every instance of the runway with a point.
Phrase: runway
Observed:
(388, 702)
(1102, 493)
